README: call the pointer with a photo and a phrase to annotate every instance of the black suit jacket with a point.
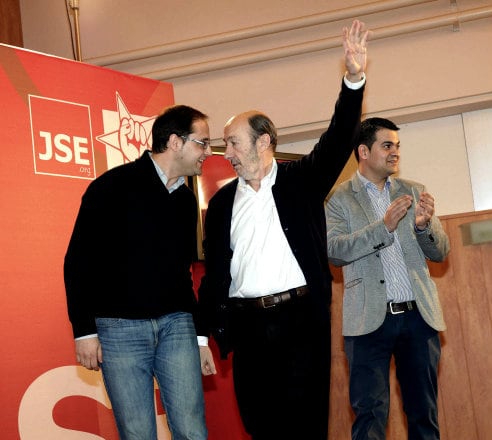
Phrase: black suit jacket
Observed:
(299, 192)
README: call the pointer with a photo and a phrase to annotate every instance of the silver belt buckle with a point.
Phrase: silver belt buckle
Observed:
(392, 311)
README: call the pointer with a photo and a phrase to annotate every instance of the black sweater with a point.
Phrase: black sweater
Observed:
(131, 248)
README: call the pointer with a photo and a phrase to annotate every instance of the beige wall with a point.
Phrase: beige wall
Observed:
(430, 69)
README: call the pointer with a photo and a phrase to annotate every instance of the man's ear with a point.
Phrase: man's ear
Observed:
(263, 142)
(175, 142)
(363, 151)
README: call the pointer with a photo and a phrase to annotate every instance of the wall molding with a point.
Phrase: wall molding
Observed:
(137, 62)
(253, 31)
(399, 115)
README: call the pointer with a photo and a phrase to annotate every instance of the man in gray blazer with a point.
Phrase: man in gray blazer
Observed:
(382, 229)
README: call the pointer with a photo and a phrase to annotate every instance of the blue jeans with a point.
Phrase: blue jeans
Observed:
(416, 348)
(137, 350)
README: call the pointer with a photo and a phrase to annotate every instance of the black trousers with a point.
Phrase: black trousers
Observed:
(281, 370)
(416, 348)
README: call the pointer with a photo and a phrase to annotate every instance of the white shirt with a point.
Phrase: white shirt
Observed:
(262, 261)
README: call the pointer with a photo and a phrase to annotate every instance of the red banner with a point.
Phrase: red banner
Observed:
(63, 123)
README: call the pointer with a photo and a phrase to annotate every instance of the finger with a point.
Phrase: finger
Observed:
(131, 123)
(93, 364)
(137, 131)
(124, 126)
(403, 201)
(363, 41)
(143, 135)
(354, 29)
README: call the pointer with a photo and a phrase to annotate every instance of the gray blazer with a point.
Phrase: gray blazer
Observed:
(355, 237)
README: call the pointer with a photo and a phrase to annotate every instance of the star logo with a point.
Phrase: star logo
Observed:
(126, 136)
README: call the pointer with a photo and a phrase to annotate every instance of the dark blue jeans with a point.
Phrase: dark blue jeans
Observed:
(417, 349)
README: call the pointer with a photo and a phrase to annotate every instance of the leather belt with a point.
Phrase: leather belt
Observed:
(396, 308)
(267, 301)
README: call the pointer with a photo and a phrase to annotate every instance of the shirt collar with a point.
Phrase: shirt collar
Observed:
(267, 181)
(368, 184)
(165, 179)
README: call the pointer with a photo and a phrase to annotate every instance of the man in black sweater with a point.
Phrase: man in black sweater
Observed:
(128, 282)
(267, 289)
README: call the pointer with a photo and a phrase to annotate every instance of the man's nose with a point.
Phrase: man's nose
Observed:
(228, 152)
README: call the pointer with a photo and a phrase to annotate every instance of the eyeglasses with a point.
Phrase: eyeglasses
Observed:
(204, 144)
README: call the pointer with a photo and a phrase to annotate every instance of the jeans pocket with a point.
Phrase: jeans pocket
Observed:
(102, 323)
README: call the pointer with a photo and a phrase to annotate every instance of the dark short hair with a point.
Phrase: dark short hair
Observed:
(176, 119)
(261, 124)
(368, 129)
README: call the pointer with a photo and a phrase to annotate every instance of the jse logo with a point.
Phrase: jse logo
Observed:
(61, 138)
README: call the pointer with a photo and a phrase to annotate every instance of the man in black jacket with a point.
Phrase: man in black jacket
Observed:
(128, 282)
(267, 289)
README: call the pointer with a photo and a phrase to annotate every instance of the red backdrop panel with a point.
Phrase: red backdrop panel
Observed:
(61, 123)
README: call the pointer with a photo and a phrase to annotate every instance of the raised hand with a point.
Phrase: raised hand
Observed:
(133, 139)
(424, 210)
(355, 50)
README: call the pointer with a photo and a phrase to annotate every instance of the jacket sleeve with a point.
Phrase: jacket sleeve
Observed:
(321, 168)
(77, 270)
(347, 242)
(433, 241)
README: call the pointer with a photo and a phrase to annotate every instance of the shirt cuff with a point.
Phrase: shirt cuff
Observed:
(202, 340)
(357, 85)
(421, 231)
(94, 335)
